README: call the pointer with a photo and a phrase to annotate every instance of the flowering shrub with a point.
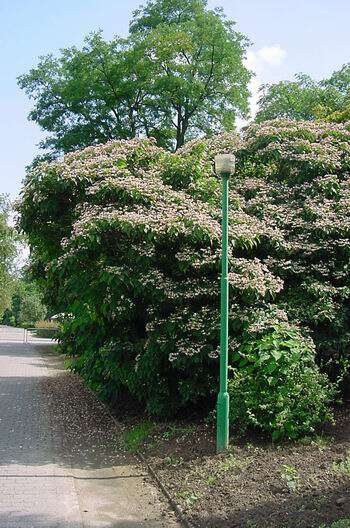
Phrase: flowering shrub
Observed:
(125, 239)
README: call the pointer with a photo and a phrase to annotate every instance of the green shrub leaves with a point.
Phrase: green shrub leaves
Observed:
(275, 383)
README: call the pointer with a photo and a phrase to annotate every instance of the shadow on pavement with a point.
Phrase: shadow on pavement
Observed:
(48, 416)
(18, 520)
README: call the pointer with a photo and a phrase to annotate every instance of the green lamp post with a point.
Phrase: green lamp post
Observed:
(224, 167)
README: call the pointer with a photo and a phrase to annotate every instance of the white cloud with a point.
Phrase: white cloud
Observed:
(264, 58)
(261, 62)
(272, 55)
(251, 61)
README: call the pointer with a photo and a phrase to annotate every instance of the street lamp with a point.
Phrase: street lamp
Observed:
(224, 167)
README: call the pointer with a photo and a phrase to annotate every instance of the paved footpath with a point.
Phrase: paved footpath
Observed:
(41, 485)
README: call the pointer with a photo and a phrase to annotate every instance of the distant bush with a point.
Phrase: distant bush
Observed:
(46, 325)
(45, 333)
(46, 329)
(126, 240)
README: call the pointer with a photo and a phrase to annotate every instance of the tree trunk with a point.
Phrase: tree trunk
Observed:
(181, 130)
(132, 123)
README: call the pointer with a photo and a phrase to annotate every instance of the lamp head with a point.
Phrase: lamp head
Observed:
(224, 164)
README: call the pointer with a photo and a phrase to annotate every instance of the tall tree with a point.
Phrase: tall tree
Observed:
(26, 307)
(7, 255)
(304, 98)
(200, 82)
(180, 73)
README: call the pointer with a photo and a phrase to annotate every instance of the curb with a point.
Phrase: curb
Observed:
(165, 492)
(174, 506)
(172, 503)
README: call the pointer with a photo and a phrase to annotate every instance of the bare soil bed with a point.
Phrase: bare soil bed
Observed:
(257, 484)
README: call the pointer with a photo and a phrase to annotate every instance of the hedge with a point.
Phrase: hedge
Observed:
(125, 240)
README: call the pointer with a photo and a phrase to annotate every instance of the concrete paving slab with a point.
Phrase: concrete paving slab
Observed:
(41, 485)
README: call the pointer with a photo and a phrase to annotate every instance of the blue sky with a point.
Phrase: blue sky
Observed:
(288, 36)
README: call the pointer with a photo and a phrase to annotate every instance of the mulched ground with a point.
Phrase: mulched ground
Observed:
(252, 486)
(257, 484)
(85, 436)
(81, 423)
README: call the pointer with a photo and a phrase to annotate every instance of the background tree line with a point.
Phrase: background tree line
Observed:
(20, 299)
(179, 74)
(8, 252)
(26, 306)
(304, 98)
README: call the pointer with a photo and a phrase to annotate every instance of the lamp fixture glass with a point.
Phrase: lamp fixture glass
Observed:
(224, 164)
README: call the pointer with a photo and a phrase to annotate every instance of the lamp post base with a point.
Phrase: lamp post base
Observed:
(222, 431)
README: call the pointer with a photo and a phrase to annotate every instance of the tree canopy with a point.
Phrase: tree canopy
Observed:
(180, 73)
(26, 307)
(304, 98)
(7, 255)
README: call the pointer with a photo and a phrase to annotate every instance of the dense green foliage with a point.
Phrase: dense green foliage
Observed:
(7, 255)
(275, 384)
(26, 307)
(304, 98)
(125, 239)
(179, 73)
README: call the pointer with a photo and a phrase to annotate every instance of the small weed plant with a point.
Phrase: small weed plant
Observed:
(173, 461)
(189, 497)
(343, 467)
(229, 463)
(321, 441)
(211, 480)
(134, 438)
(291, 477)
(175, 430)
(342, 523)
